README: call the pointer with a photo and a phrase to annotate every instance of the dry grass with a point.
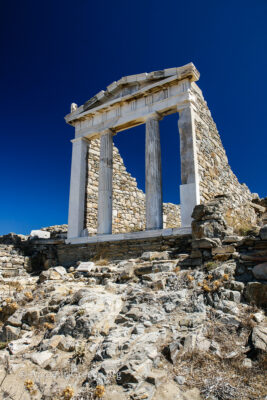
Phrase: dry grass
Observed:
(222, 377)
(102, 262)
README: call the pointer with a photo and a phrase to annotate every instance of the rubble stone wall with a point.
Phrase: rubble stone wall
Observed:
(215, 174)
(13, 261)
(128, 200)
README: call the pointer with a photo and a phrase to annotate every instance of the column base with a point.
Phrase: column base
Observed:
(189, 198)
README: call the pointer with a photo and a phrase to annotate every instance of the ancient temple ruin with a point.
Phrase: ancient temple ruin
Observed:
(97, 204)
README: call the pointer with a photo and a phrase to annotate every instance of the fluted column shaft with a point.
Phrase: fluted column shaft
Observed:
(105, 184)
(154, 214)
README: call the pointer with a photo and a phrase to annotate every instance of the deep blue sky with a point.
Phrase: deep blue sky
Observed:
(55, 52)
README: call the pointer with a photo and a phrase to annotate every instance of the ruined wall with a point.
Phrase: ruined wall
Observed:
(215, 174)
(128, 200)
(13, 261)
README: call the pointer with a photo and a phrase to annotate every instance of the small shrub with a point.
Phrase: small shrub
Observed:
(216, 285)
(211, 265)
(29, 386)
(28, 296)
(3, 345)
(8, 308)
(99, 391)
(67, 393)
(102, 262)
(48, 325)
(52, 317)
(206, 288)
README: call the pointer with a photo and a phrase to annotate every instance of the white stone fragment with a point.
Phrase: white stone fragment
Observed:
(40, 234)
(85, 266)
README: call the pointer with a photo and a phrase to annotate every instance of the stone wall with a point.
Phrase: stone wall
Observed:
(13, 260)
(215, 174)
(128, 200)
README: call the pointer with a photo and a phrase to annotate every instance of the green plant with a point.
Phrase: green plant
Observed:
(211, 265)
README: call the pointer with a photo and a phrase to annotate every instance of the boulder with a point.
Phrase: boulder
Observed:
(16, 318)
(208, 229)
(31, 317)
(11, 332)
(260, 271)
(127, 271)
(256, 292)
(66, 344)
(41, 358)
(52, 274)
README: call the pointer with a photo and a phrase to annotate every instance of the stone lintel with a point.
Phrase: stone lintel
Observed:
(138, 117)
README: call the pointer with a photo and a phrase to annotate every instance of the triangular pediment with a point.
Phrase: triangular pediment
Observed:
(134, 85)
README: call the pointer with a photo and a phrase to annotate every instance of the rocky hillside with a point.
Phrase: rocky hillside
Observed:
(138, 329)
(168, 325)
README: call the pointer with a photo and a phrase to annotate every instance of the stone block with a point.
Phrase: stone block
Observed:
(223, 250)
(40, 234)
(263, 232)
(260, 271)
(85, 266)
(256, 292)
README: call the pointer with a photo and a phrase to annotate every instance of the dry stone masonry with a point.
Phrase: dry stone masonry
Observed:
(215, 174)
(104, 198)
(128, 201)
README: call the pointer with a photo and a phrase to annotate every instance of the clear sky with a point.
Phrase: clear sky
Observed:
(56, 52)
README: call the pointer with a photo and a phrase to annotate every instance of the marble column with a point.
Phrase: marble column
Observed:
(77, 187)
(105, 184)
(189, 189)
(154, 210)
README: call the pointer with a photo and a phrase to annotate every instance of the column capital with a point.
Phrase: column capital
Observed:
(189, 102)
(80, 139)
(154, 116)
(108, 130)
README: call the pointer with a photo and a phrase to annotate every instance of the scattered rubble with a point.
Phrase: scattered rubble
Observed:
(168, 324)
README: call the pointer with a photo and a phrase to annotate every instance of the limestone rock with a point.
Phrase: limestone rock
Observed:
(31, 317)
(52, 274)
(41, 358)
(205, 243)
(66, 344)
(259, 337)
(263, 232)
(155, 255)
(11, 332)
(256, 292)
(260, 271)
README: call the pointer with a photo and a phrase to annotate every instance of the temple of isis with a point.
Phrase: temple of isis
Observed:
(105, 203)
